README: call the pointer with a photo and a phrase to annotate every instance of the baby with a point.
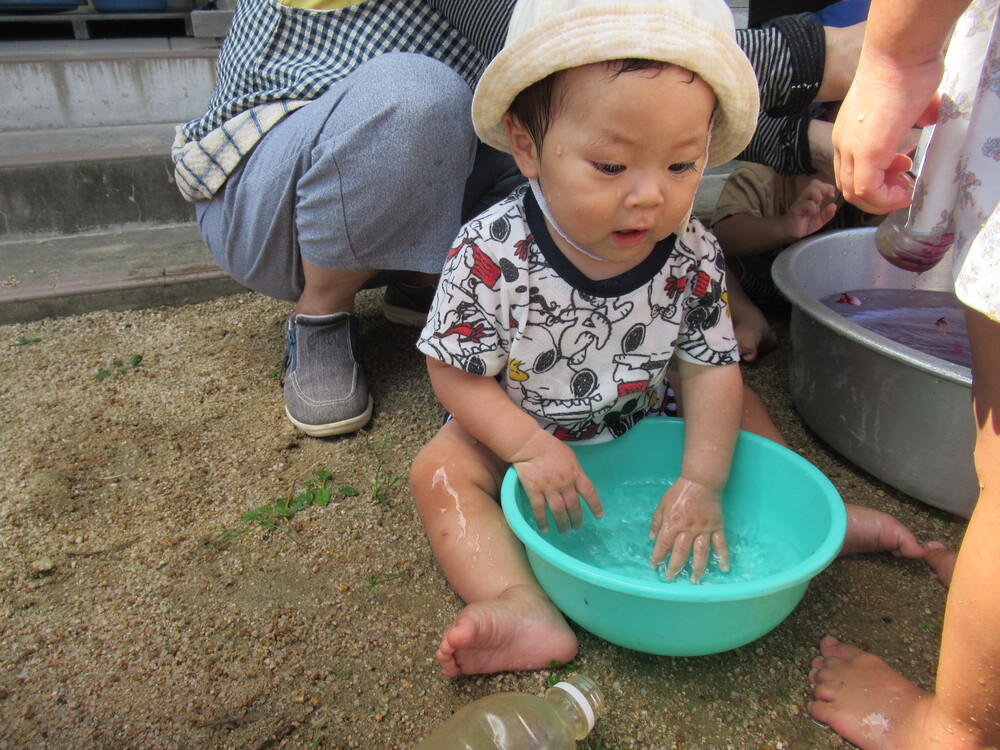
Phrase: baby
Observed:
(561, 308)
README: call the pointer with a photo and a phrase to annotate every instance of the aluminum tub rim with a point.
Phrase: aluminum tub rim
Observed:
(799, 295)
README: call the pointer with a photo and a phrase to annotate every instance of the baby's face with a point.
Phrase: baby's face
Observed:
(623, 157)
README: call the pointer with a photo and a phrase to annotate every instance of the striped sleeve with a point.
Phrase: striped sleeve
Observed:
(482, 22)
(782, 143)
(788, 56)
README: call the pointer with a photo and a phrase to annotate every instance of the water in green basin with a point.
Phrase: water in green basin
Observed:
(619, 543)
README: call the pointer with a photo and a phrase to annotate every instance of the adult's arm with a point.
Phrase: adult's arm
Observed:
(782, 143)
(898, 73)
(798, 61)
(788, 57)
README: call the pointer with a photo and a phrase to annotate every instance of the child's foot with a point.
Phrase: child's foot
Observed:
(864, 701)
(870, 530)
(754, 334)
(521, 629)
(942, 561)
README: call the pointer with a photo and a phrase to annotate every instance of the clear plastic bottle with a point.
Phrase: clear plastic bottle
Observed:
(517, 721)
(904, 247)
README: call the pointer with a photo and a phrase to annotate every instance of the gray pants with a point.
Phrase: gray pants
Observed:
(378, 173)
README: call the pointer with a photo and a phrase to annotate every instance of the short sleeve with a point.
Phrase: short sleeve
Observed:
(706, 332)
(464, 323)
(749, 190)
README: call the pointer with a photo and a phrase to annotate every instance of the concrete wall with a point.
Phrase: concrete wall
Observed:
(43, 92)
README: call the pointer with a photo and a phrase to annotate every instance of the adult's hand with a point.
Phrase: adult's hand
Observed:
(884, 103)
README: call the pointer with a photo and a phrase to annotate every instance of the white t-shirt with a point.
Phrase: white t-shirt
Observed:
(583, 357)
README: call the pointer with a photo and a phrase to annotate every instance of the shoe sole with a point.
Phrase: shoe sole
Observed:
(404, 316)
(334, 428)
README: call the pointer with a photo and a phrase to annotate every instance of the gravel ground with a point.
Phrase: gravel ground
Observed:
(123, 625)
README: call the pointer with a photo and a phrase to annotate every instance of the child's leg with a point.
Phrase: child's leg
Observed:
(870, 530)
(850, 685)
(754, 334)
(757, 420)
(508, 623)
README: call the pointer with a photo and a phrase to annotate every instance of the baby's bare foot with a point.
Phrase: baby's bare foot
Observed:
(521, 629)
(870, 530)
(863, 700)
(754, 334)
(942, 561)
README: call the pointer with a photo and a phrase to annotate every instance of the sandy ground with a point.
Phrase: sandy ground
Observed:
(123, 626)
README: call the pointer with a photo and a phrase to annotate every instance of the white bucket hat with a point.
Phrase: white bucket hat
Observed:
(546, 36)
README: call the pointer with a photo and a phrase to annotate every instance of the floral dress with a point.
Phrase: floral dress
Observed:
(958, 189)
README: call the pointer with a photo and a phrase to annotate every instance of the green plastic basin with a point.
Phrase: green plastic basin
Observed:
(771, 490)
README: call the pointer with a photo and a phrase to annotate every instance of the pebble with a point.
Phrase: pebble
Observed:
(43, 566)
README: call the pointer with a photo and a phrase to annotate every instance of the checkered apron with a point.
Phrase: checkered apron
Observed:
(278, 58)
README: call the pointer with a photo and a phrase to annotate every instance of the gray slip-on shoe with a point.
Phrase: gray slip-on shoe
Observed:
(324, 385)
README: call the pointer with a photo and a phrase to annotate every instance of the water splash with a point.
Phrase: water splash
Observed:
(619, 543)
(441, 480)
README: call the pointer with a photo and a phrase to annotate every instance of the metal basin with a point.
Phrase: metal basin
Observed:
(902, 415)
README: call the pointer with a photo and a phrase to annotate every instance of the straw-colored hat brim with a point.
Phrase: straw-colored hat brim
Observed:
(592, 34)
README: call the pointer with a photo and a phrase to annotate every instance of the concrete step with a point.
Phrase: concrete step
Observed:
(49, 85)
(87, 128)
(136, 266)
(82, 179)
(39, 147)
(125, 268)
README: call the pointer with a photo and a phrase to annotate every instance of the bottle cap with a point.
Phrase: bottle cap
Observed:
(580, 699)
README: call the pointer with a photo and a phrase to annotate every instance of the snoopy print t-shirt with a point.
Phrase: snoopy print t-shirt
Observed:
(584, 357)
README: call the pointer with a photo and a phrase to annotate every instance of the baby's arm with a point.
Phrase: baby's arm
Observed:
(747, 234)
(689, 517)
(547, 467)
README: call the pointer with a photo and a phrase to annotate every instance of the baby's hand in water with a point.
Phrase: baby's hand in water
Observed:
(689, 521)
(552, 476)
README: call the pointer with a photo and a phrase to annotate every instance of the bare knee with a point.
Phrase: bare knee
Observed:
(451, 466)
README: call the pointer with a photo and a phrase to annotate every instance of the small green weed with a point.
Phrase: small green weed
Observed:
(276, 371)
(927, 625)
(120, 367)
(372, 581)
(24, 341)
(559, 670)
(319, 739)
(278, 514)
(386, 481)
